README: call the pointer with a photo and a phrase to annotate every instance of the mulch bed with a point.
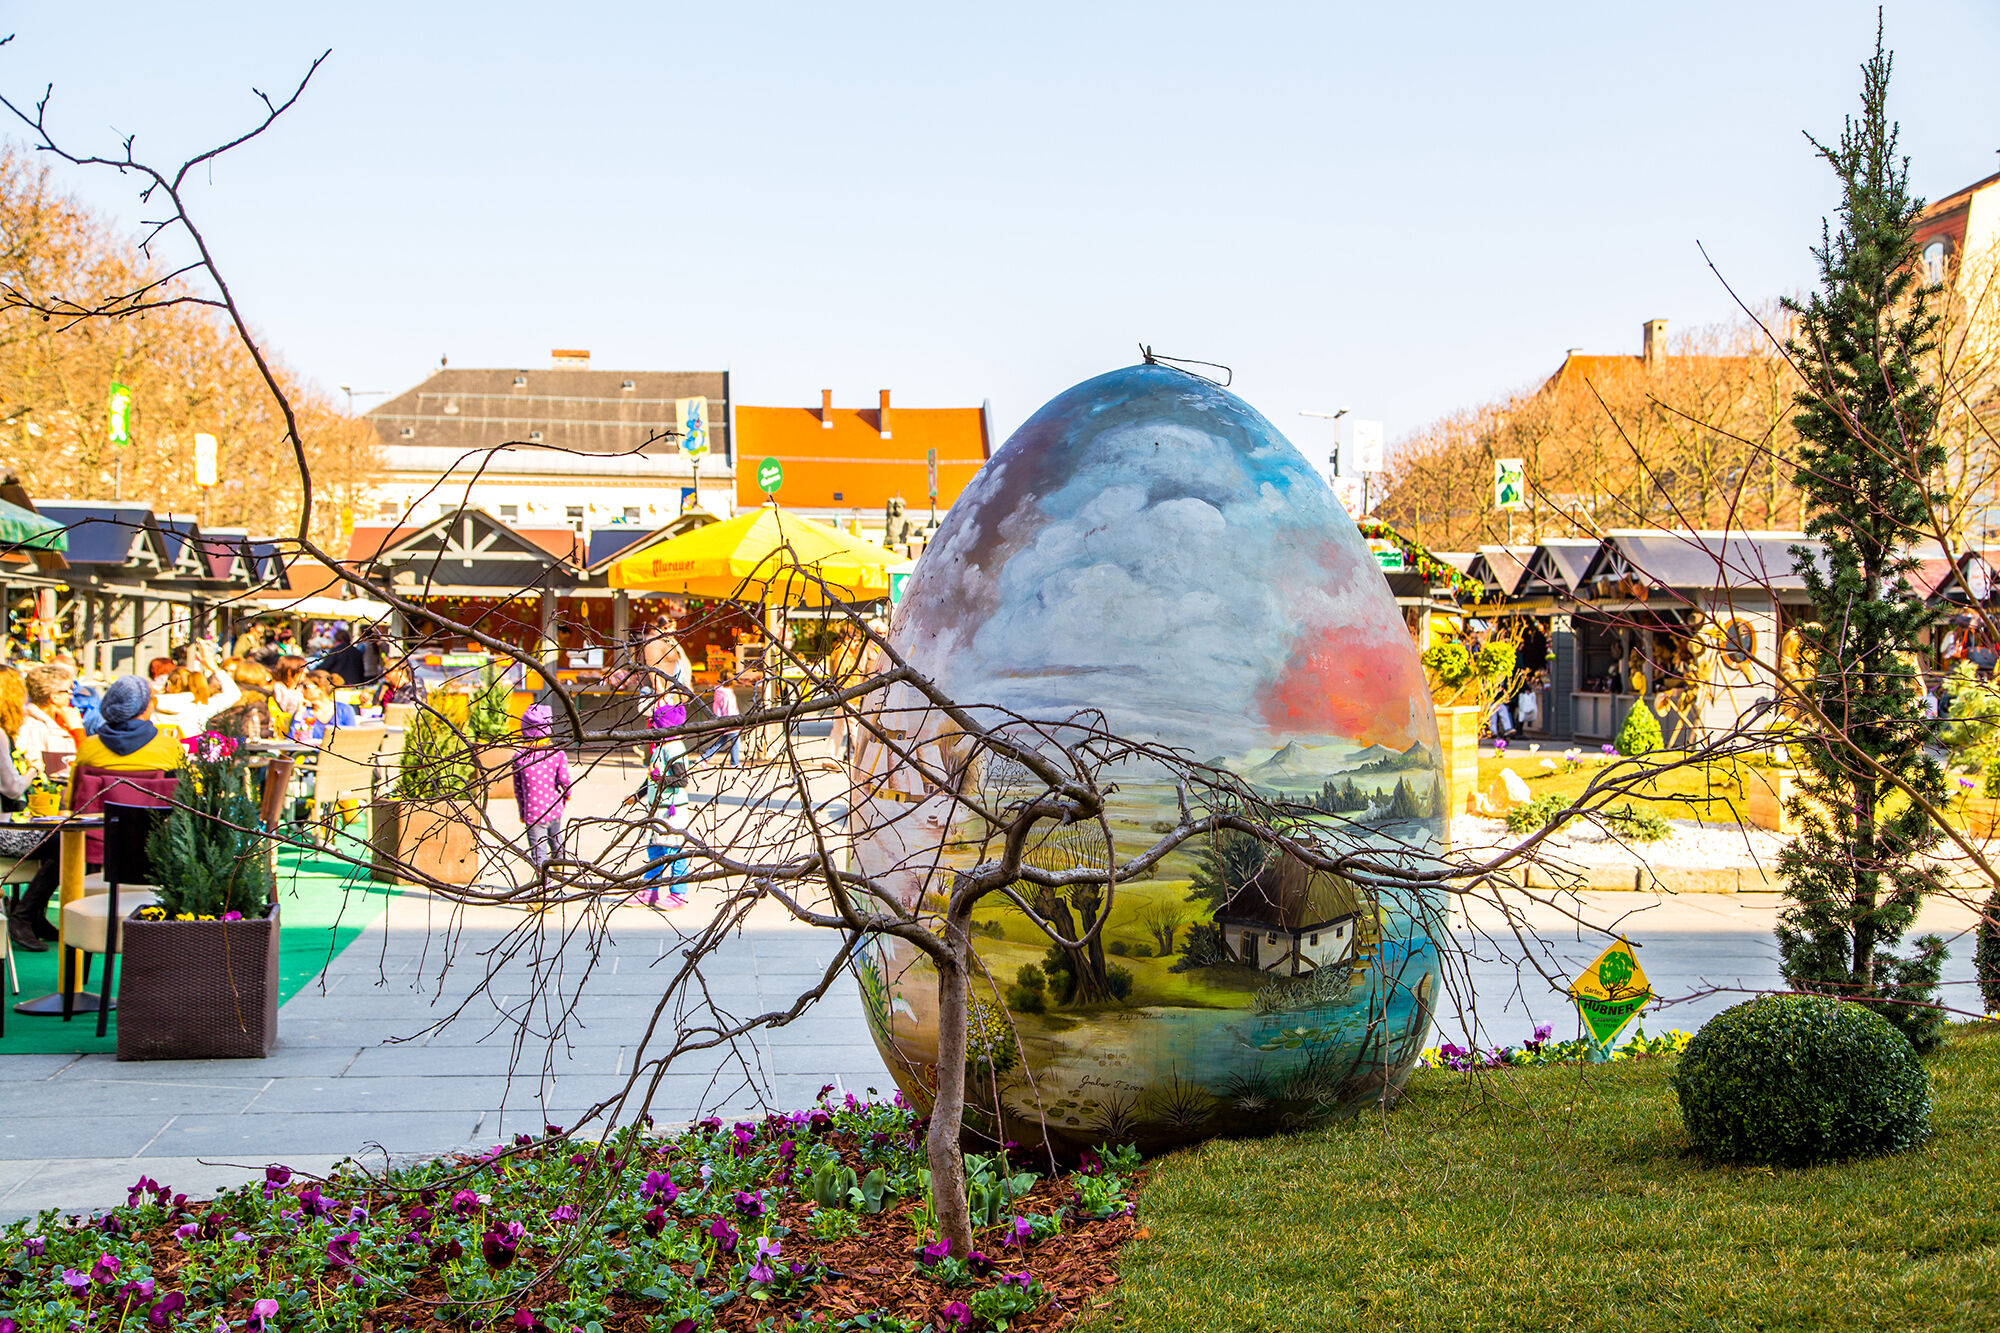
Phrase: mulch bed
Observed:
(418, 1261)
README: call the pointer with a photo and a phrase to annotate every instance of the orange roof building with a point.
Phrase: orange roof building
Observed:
(849, 462)
(1580, 368)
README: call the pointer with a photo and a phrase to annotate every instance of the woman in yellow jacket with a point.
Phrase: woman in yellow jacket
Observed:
(125, 741)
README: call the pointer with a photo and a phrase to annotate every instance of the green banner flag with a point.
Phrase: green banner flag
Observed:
(119, 415)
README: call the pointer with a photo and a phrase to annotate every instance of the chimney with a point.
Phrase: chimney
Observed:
(1653, 343)
(882, 418)
(569, 358)
(826, 409)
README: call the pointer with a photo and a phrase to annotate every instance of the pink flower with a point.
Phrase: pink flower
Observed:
(1500, 743)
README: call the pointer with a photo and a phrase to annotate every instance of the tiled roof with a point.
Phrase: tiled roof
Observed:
(1579, 368)
(588, 411)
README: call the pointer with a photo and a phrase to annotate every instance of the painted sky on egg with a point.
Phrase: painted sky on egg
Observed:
(1148, 544)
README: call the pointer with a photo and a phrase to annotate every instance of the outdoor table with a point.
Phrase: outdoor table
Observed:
(70, 829)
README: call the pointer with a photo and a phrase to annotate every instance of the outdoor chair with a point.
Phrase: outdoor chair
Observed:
(90, 924)
(345, 767)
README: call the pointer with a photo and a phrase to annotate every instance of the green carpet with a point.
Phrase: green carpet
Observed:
(326, 903)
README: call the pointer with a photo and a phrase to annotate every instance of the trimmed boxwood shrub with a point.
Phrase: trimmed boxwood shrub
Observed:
(1796, 1079)
(1641, 732)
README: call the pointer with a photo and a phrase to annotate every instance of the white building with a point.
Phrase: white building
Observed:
(568, 446)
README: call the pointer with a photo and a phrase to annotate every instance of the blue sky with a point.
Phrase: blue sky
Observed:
(1393, 208)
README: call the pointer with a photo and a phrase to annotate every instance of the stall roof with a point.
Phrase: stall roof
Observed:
(607, 544)
(105, 532)
(468, 548)
(1699, 559)
(1557, 566)
(268, 555)
(1498, 568)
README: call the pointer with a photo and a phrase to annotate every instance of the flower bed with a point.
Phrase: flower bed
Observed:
(1539, 1050)
(813, 1221)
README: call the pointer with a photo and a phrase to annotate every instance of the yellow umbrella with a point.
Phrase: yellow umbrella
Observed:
(765, 555)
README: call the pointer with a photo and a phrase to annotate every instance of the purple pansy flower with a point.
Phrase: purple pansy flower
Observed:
(166, 1308)
(499, 1245)
(935, 1252)
(74, 1280)
(724, 1235)
(957, 1312)
(104, 1269)
(565, 1213)
(340, 1250)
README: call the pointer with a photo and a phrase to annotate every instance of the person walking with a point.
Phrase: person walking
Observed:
(542, 785)
(660, 798)
(722, 703)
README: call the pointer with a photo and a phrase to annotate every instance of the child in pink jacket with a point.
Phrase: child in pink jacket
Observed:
(541, 785)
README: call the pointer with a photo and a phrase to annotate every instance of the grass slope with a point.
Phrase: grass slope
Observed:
(1565, 1198)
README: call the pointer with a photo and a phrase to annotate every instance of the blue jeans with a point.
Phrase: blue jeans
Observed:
(670, 857)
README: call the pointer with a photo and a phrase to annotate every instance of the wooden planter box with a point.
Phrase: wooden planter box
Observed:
(1458, 733)
(496, 762)
(1765, 794)
(439, 839)
(198, 990)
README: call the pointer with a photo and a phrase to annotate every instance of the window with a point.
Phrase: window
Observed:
(1739, 643)
(575, 515)
(1313, 940)
(534, 437)
(520, 381)
(1272, 938)
(409, 432)
(1934, 261)
(631, 513)
(627, 385)
(838, 497)
(389, 509)
(509, 513)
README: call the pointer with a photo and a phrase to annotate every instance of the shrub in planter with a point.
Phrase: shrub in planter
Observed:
(1797, 1079)
(200, 978)
(429, 824)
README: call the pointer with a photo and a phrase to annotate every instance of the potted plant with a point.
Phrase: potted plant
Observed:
(488, 724)
(428, 824)
(200, 964)
(44, 792)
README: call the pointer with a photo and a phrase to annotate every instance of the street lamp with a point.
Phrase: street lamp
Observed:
(352, 393)
(1334, 458)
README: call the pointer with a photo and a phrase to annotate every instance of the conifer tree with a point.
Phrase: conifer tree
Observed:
(1867, 457)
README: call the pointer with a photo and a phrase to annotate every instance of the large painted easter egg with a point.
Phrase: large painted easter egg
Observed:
(1147, 556)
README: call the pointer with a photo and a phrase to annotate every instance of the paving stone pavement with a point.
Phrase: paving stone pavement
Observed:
(363, 1068)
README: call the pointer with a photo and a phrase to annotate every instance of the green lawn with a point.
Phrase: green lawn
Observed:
(1710, 791)
(1564, 1198)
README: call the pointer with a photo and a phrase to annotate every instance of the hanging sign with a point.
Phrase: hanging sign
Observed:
(1388, 555)
(931, 462)
(770, 476)
(204, 460)
(693, 415)
(119, 416)
(1510, 483)
(1610, 993)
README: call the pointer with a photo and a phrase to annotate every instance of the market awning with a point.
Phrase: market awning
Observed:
(765, 555)
(321, 607)
(24, 527)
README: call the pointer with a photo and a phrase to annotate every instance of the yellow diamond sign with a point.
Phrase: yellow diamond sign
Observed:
(1610, 992)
